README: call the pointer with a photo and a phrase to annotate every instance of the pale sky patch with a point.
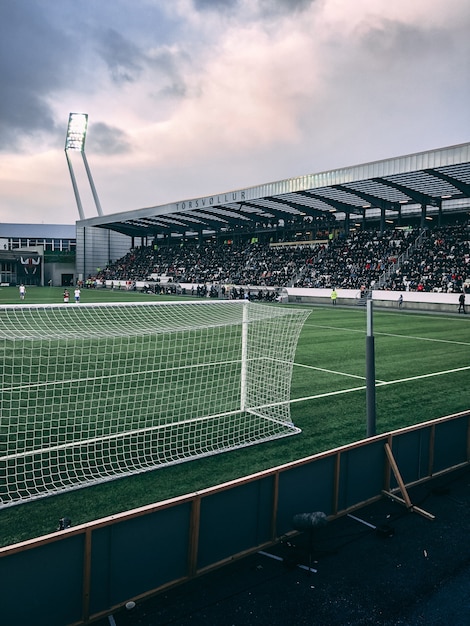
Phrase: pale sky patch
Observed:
(196, 97)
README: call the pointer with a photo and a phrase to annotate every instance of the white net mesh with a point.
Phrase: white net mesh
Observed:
(93, 392)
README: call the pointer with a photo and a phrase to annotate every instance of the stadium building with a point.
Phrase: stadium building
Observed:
(37, 254)
(422, 189)
(418, 190)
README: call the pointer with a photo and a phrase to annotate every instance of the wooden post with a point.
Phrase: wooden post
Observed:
(406, 498)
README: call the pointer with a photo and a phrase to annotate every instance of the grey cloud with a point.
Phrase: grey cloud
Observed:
(175, 90)
(267, 7)
(30, 69)
(122, 57)
(393, 38)
(168, 65)
(23, 113)
(415, 58)
(214, 5)
(283, 7)
(105, 139)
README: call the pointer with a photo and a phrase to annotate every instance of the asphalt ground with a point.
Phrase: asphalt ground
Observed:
(384, 564)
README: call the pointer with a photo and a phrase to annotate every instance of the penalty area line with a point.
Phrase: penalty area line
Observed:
(328, 394)
(421, 376)
(322, 369)
(432, 339)
(381, 384)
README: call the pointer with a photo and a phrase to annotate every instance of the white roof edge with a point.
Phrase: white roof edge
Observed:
(450, 155)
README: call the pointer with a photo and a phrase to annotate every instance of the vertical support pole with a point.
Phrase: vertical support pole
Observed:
(92, 184)
(432, 444)
(86, 575)
(194, 528)
(468, 438)
(244, 356)
(370, 372)
(423, 215)
(275, 506)
(82, 276)
(335, 503)
(75, 187)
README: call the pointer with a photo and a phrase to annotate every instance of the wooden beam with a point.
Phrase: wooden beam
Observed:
(412, 508)
(406, 498)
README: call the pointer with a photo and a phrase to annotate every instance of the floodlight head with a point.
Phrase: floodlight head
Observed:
(76, 132)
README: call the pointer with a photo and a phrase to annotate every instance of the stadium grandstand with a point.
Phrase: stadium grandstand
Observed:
(399, 224)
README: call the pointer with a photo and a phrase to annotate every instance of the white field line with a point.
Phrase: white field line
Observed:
(328, 394)
(322, 369)
(376, 333)
(458, 343)
(381, 384)
(349, 330)
(443, 373)
(415, 315)
(87, 379)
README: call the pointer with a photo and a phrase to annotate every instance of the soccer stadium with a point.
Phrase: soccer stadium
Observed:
(253, 392)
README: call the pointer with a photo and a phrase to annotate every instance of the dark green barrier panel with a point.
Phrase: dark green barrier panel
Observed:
(305, 489)
(43, 586)
(138, 555)
(411, 451)
(235, 520)
(361, 474)
(450, 447)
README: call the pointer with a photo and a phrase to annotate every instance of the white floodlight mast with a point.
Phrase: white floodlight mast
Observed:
(75, 187)
(75, 141)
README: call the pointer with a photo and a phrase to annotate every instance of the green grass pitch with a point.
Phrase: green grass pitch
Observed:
(422, 372)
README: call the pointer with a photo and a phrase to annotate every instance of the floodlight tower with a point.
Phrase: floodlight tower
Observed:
(75, 141)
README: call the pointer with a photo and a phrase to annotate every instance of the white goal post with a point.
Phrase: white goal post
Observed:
(90, 393)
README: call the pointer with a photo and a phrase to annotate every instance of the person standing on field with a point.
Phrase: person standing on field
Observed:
(22, 291)
(77, 295)
(66, 295)
(334, 296)
(462, 303)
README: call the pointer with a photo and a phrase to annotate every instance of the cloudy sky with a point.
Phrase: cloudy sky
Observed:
(188, 98)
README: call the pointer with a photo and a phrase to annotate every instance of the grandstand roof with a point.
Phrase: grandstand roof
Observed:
(436, 179)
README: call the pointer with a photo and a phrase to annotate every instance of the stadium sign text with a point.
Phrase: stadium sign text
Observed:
(234, 196)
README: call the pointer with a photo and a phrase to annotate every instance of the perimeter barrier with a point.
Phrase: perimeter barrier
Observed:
(80, 574)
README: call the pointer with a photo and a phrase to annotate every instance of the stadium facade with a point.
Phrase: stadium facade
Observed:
(37, 254)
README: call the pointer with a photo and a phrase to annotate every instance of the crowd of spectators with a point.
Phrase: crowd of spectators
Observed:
(399, 259)
(441, 263)
(356, 260)
(248, 263)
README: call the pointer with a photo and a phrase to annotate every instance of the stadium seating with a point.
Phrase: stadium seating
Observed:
(411, 259)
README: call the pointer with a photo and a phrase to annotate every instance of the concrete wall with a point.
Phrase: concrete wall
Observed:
(96, 247)
(54, 272)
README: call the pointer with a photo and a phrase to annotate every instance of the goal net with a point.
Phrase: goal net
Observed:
(90, 393)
